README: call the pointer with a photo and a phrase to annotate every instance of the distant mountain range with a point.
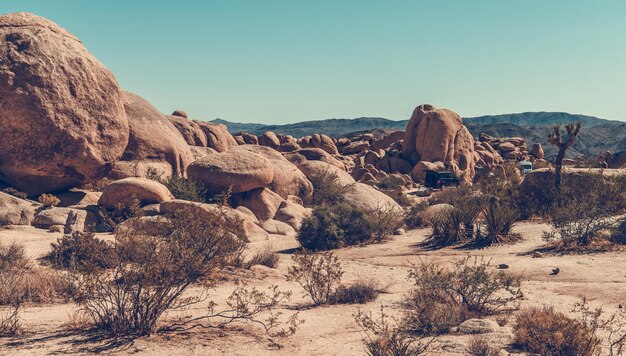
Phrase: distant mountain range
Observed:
(598, 135)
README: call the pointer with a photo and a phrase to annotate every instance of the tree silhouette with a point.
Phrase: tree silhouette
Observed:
(563, 143)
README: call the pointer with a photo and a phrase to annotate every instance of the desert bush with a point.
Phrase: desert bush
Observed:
(186, 189)
(326, 189)
(442, 298)
(110, 218)
(154, 267)
(81, 250)
(330, 227)
(48, 200)
(498, 221)
(359, 292)
(547, 332)
(384, 336)
(14, 192)
(414, 218)
(390, 182)
(452, 226)
(265, 257)
(383, 220)
(318, 274)
(478, 346)
(587, 205)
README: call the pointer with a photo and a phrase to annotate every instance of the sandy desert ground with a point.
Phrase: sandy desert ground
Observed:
(331, 330)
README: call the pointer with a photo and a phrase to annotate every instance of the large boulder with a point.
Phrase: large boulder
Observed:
(124, 191)
(537, 151)
(317, 168)
(16, 211)
(217, 136)
(365, 197)
(392, 164)
(62, 118)
(292, 213)
(263, 202)
(314, 154)
(288, 179)
(238, 170)
(191, 131)
(269, 139)
(154, 143)
(384, 142)
(325, 143)
(439, 135)
(419, 170)
(66, 218)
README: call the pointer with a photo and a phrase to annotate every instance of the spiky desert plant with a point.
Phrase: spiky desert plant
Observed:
(498, 222)
(563, 143)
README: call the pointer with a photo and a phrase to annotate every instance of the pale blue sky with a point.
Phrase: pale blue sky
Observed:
(274, 61)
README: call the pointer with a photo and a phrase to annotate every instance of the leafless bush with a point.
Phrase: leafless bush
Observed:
(110, 218)
(478, 346)
(48, 200)
(247, 305)
(318, 274)
(154, 266)
(385, 336)
(442, 298)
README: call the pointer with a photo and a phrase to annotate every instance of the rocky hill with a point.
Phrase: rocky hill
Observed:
(598, 135)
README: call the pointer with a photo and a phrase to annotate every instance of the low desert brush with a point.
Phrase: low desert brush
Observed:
(318, 274)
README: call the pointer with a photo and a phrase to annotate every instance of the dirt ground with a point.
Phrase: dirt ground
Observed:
(332, 330)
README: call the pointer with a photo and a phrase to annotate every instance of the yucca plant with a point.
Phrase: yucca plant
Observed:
(452, 226)
(498, 222)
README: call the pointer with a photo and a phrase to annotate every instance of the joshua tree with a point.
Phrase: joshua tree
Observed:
(563, 144)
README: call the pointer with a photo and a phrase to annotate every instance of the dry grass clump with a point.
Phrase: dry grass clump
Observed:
(414, 218)
(360, 292)
(48, 200)
(266, 257)
(478, 346)
(318, 274)
(443, 298)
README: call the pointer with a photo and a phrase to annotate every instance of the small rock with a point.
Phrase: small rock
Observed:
(537, 254)
(399, 231)
(478, 326)
(503, 266)
(555, 271)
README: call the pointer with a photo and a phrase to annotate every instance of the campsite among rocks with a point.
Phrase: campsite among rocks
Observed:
(100, 191)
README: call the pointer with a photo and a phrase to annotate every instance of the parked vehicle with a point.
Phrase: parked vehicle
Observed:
(525, 167)
(438, 180)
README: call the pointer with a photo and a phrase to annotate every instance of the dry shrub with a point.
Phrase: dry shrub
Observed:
(48, 200)
(442, 297)
(154, 265)
(453, 226)
(384, 336)
(384, 220)
(414, 218)
(185, 189)
(110, 218)
(81, 250)
(359, 292)
(587, 206)
(14, 192)
(478, 346)
(266, 257)
(326, 189)
(318, 274)
(547, 332)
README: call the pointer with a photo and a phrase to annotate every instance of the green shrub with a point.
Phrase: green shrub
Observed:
(83, 251)
(498, 222)
(110, 218)
(326, 189)
(186, 189)
(330, 227)
(452, 226)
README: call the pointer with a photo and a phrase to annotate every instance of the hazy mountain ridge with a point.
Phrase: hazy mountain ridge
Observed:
(598, 135)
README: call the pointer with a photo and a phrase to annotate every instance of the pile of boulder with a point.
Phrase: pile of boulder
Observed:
(512, 148)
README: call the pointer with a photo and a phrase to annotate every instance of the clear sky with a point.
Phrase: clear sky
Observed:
(280, 61)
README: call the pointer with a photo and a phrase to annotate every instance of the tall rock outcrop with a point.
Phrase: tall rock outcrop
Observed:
(62, 118)
(434, 135)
